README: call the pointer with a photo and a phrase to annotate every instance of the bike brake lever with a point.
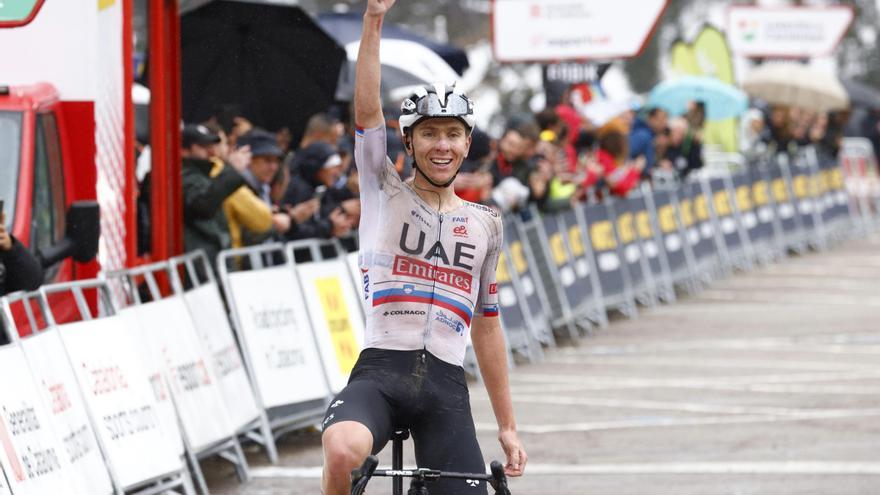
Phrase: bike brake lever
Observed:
(361, 476)
(499, 479)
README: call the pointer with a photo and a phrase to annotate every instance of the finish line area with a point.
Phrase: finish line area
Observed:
(765, 382)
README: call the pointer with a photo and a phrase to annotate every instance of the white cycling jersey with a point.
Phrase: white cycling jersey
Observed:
(425, 274)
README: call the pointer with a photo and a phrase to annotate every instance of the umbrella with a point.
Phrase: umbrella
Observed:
(346, 28)
(600, 111)
(796, 85)
(861, 94)
(273, 61)
(407, 58)
(722, 100)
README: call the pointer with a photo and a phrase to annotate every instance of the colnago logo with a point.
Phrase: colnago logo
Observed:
(404, 312)
(447, 276)
(460, 231)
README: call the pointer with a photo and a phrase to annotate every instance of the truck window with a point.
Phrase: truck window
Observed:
(10, 160)
(47, 224)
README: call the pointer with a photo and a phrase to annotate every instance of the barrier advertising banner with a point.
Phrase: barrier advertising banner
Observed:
(30, 453)
(168, 329)
(605, 248)
(277, 336)
(156, 375)
(527, 273)
(333, 312)
(215, 335)
(61, 394)
(109, 361)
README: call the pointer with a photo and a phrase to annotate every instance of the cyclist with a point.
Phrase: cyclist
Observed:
(428, 260)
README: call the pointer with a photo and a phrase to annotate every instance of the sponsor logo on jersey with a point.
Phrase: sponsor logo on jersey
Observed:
(404, 312)
(450, 322)
(461, 251)
(411, 267)
(493, 288)
(420, 218)
(485, 208)
(460, 231)
(408, 294)
(366, 274)
(460, 219)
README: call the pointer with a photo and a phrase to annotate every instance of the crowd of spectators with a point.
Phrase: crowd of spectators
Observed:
(244, 185)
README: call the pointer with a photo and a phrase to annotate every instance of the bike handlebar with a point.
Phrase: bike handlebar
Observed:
(361, 476)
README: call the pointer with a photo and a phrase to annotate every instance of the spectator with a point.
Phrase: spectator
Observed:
(641, 138)
(620, 175)
(261, 169)
(684, 153)
(751, 129)
(320, 169)
(777, 134)
(474, 181)
(19, 269)
(204, 222)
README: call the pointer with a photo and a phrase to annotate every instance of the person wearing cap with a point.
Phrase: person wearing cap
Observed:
(319, 169)
(206, 185)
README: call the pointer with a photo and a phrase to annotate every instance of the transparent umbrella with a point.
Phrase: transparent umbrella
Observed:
(796, 85)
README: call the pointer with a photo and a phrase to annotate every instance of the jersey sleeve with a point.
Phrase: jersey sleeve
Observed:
(487, 300)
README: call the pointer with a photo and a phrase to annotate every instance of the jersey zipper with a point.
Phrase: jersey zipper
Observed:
(426, 336)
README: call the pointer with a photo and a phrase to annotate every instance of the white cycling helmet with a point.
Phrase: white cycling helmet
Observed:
(436, 100)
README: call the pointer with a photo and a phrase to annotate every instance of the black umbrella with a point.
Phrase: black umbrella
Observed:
(272, 61)
(861, 94)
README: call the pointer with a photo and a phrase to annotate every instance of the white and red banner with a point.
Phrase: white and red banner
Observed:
(276, 336)
(787, 32)
(109, 361)
(335, 316)
(555, 30)
(169, 332)
(61, 395)
(30, 452)
(215, 334)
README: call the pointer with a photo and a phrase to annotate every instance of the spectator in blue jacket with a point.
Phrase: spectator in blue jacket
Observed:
(641, 137)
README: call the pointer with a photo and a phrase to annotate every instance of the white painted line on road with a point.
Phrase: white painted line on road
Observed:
(636, 382)
(811, 299)
(720, 362)
(668, 421)
(535, 469)
(793, 389)
(688, 407)
(770, 468)
(868, 343)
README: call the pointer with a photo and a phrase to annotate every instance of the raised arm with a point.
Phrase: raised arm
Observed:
(367, 80)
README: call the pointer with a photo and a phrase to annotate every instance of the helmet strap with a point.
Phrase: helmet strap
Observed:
(431, 181)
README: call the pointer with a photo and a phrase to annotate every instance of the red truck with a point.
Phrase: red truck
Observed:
(67, 150)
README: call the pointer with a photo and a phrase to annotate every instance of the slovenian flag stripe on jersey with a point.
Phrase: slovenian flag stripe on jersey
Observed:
(401, 295)
(491, 310)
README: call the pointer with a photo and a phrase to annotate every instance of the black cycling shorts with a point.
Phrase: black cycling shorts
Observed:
(391, 390)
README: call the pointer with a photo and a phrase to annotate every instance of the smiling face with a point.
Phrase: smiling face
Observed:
(439, 145)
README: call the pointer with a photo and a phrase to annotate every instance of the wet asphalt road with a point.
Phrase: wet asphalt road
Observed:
(767, 382)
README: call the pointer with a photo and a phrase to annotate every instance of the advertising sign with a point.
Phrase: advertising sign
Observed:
(787, 32)
(553, 30)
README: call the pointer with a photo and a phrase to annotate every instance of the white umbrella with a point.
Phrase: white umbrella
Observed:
(796, 85)
(404, 63)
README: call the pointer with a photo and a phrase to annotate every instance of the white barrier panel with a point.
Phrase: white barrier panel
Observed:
(61, 395)
(212, 328)
(335, 317)
(277, 335)
(109, 359)
(31, 454)
(155, 372)
(168, 329)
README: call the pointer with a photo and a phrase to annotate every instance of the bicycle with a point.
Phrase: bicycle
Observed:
(420, 476)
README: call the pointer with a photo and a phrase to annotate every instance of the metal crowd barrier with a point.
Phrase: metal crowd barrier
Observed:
(97, 428)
